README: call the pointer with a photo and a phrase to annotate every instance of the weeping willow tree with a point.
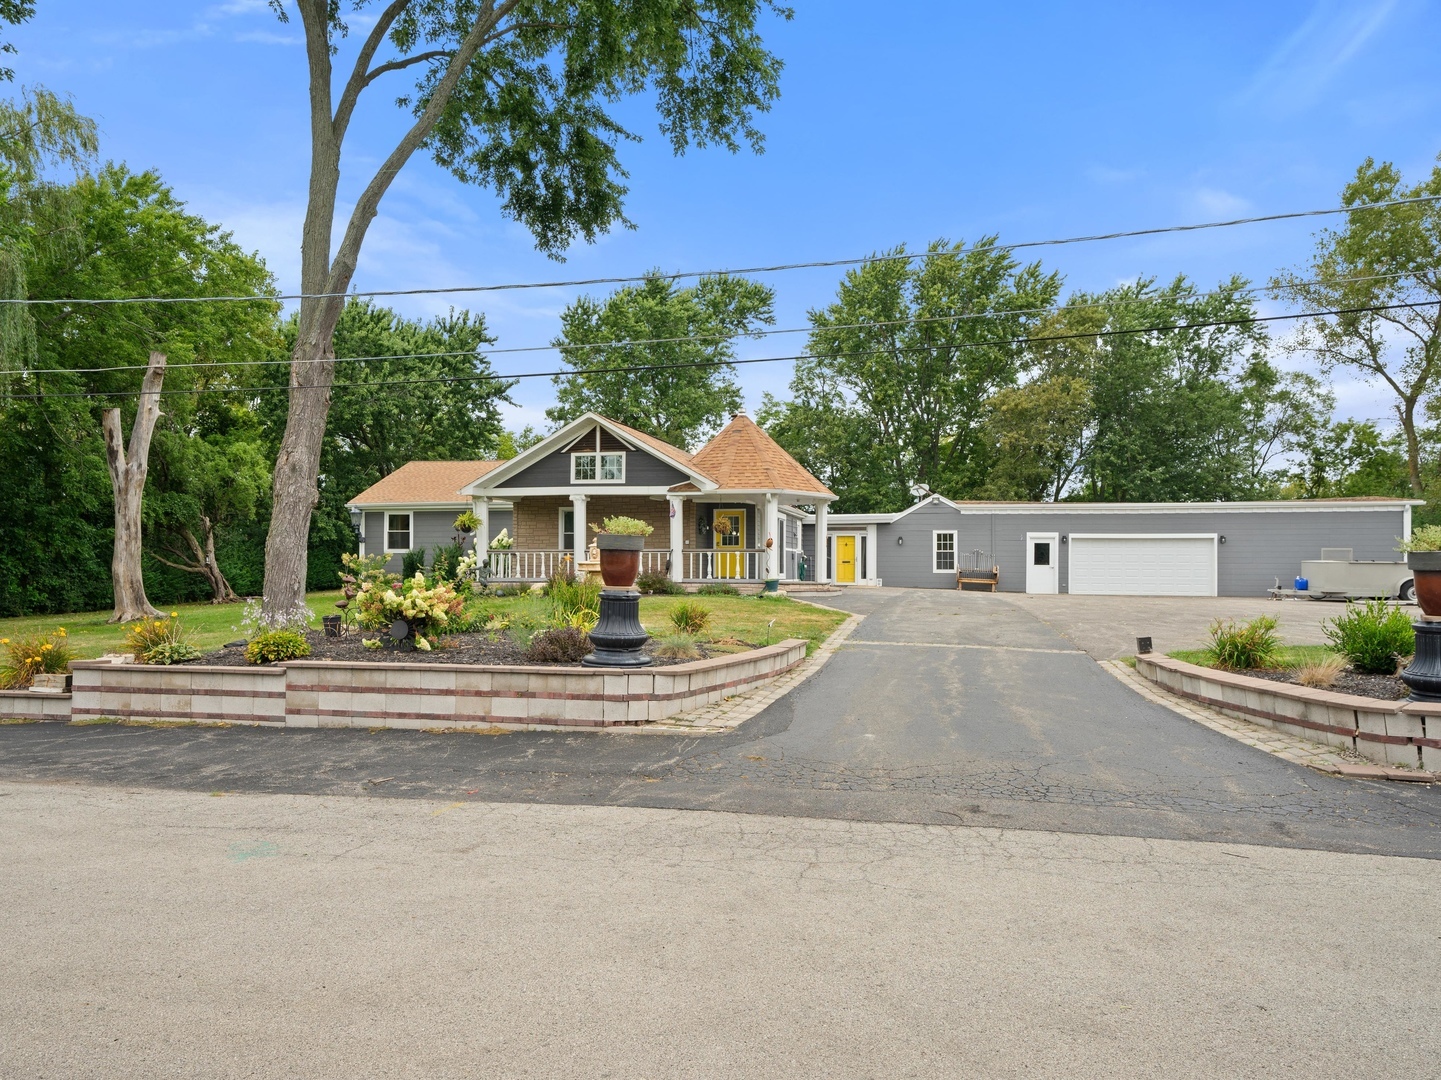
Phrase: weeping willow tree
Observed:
(39, 132)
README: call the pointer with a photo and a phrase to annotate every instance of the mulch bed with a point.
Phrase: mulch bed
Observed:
(1387, 687)
(458, 649)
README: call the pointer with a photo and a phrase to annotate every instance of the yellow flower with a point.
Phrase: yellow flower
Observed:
(61, 631)
(175, 614)
(4, 641)
(47, 645)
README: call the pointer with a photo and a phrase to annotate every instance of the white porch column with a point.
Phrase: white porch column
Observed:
(480, 507)
(776, 552)
(582, 542)
(677, 536)
(823, 571)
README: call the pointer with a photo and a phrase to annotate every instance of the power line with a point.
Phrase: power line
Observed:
(635, 368)
(1101, 305)
(771, 269)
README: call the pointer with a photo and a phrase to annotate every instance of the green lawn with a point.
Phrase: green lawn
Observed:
(745, 618)
(91, 635)
(1288, 656)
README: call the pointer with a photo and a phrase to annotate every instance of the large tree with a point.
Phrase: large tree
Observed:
(688, 334)
(405, 390)
(1381, 258)
(901, 366)
(512, 95)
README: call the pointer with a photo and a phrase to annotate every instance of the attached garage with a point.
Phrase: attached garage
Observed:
(1143, 565)
(1119, 549)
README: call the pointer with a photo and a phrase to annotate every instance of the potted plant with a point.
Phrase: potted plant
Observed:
(1423, 558)
(620, 540)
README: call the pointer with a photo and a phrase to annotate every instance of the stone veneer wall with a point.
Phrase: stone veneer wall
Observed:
(306, 693)
(1405, 733)
(29, 705)
(187, 692)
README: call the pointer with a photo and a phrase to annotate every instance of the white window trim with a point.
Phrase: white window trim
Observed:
(936, 534)
(597, 454)
(409, 531)
(560, 512)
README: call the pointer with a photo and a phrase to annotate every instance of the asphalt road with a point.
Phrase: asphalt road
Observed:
(942, 709)
(169, 934)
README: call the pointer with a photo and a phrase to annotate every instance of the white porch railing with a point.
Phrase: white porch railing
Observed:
(518, 565)
(725, 564)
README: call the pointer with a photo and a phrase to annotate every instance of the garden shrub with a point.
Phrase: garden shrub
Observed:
(276, 646)
(676, 647)
(655, 584)
(565, 645)
(39, 654)
(427, 609)
(412, 563)
(160, 641)
(444, 561)
(688, 617)
(1373, 636)
(718, 590)
(1244, 647)
(573, 602)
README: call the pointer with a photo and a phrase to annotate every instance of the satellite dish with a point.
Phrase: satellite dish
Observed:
(920, 491)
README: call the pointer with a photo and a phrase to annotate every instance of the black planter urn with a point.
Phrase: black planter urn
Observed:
(619, 637)
(1423, 674)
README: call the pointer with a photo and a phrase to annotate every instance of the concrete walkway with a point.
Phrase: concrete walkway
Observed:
(163, 934)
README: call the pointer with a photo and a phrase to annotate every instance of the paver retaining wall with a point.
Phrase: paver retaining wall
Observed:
(28, 705)
(187, 692)
(1405, 733)
(306, 693)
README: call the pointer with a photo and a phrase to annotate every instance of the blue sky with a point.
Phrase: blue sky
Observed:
(901, 122)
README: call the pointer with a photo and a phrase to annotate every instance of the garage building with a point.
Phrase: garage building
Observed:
(1140, 549)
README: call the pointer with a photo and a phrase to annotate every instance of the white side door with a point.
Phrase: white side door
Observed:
(1043, 562)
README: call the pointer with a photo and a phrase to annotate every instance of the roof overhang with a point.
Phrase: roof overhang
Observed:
(1272, 506)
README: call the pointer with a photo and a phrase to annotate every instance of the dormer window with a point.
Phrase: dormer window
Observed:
(597, 468)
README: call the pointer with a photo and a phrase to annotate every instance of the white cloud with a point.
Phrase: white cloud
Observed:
(1295, 74)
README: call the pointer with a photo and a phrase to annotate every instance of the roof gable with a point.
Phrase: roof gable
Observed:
(742, 457)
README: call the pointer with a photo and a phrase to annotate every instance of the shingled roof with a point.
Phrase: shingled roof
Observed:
(422, 483)
(742, 457)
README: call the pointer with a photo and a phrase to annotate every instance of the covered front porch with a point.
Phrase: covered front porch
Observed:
(696, 538)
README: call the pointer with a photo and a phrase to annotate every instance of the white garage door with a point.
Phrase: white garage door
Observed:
(1143, 565)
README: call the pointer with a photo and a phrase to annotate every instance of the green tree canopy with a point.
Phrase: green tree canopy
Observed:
(1379, 258)
(689, 332)
(900, 369)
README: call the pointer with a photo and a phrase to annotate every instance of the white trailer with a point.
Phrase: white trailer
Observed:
(1338, 576)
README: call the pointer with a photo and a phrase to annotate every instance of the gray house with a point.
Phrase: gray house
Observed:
(1136, 549)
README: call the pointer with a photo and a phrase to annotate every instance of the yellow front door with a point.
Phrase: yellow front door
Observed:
(846, 559)
(729, 529)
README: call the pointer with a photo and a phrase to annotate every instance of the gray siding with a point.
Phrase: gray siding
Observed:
(429, 529)
(808, 545)
(641, 470)
(1261, 546)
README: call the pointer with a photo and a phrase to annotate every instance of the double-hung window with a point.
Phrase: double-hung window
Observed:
(397, 532)
(599, 468)
(944, 552)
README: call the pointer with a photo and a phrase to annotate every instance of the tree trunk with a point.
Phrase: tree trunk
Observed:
(1407, 411)
(204, 562)
(127, 480)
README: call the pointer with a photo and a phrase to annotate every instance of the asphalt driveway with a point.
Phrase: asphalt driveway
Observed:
(943, 708)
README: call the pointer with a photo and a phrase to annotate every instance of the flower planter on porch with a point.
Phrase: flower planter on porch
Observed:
(1425, 568)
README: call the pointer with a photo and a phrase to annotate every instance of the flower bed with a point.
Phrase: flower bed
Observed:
(429, 695)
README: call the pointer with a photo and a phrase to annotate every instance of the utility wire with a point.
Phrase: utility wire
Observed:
(913, 321)
(772, 269)
(634, 368)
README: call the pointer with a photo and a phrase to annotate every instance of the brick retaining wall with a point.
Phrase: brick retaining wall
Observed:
(1406, 733)
(311, 693)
